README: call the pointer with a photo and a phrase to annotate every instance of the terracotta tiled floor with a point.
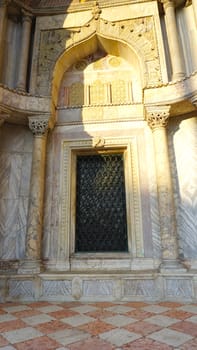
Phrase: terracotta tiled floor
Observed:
(98, 326)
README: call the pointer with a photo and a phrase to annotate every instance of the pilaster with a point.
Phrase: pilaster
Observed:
(39, 126)
(176, 54)
(26, 31)
(157, 118)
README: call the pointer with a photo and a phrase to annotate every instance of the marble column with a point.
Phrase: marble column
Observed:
(3, 27)
(24, 54)
(176, 55)
(194, 5)
(32, 262)
(157, 120)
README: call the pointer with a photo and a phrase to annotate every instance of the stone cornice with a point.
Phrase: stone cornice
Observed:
(12, 101)
(172, 92)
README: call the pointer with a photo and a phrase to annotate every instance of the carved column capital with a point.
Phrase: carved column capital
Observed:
(157, 117)
(168, 3)
(39, 125)
(3, 117)
(194, 100)
(27, 16)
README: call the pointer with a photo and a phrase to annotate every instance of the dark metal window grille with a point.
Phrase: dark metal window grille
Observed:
(101, 224)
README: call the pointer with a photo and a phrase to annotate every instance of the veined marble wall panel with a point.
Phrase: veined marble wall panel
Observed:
(183, 151)
(15, 169)
(175, 287)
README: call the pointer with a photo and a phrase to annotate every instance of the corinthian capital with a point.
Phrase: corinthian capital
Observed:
(157, 117)
(39, 125)
(168, 3)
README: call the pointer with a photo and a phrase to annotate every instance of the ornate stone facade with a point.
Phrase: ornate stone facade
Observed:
(84, 79)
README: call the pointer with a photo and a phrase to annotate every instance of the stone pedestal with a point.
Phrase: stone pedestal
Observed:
(39, 127)
(176, 54)
(23, 63)
(157, 120)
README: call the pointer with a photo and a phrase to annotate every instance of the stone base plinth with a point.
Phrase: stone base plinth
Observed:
(85, 286)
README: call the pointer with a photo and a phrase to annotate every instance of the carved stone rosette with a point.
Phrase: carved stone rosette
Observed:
(39, 126)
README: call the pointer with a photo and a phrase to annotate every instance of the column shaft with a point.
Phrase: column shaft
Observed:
(170, 251)
(3, 27)
(25, 43)
(39, 128)
(176, 54)
(194, 5)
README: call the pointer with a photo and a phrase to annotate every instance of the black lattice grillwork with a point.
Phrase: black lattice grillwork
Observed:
(101, 206)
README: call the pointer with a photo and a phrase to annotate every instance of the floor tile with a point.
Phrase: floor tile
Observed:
(170, 304)
(163, 321)
(77, 320)
(51, 327)
(146, 344)
(170, 337)
(189, 308)
(50, 308)
(190, 345)
(11, 325)
(84, 308)
(41, 343)
(27, 313)
(91, 344)
(192, 319)
(119, 320)
(34, 320)
(142, 328)
(140, 314)
(180, 314)
(119, 309)
(186, 327)
(7, 317)
(16, 308)
(3, 341)
(156, 309)
(62, 313)
(22, 334)
(119, 337)
(100, 314)
(69, 336)
(136, 304)
(97, 327)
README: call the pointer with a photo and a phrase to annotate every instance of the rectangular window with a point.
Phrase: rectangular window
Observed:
(101, 219)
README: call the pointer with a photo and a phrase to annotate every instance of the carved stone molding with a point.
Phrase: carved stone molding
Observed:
(96, 11)
(157, 117)
(39, 126)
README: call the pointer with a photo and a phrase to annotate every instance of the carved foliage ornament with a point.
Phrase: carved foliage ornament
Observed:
(158, 118)
(39, 127)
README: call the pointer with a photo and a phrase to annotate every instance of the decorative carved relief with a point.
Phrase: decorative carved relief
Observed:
(38, 126)
(157, 118)
(138, 33)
